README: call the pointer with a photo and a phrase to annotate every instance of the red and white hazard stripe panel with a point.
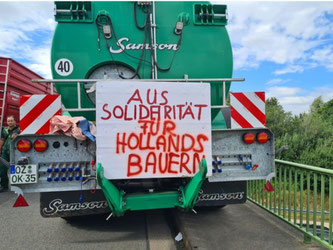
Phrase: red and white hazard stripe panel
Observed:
(248, 110)
(36, 112)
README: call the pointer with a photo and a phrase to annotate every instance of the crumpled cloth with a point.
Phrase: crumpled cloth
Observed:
(64, 125)
(88, 129)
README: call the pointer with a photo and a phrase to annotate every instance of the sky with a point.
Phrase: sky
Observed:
(282, 48)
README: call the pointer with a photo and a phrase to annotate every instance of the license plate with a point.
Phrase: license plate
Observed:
(23, 174)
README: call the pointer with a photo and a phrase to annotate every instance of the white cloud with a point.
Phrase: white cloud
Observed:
(8, 39)
(283, 91)
(324, 57)
(41, 61)
(295, 35)
(278, 32)
(277, 81)
(243, 56)
(289, 69)
(297, 100)
(25, 33)
(27, 16)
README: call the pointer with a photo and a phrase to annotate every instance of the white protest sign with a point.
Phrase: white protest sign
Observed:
(152, 129)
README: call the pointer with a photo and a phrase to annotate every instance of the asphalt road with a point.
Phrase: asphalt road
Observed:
(244, 226)
(24, 228)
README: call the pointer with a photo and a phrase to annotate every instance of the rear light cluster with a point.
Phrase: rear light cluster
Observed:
(261, 137)
(39, 145)
(23, 145)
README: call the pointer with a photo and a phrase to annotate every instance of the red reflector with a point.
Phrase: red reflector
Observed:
(262, 137)
(20, 202)
(40, 145)
(255, 166)
(249, 138)
(23, 145)
(93, 165)
(268, 187)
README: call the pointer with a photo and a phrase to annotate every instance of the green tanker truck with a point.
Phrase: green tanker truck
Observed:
(154, 78)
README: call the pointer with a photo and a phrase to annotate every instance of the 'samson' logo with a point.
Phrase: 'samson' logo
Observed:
(138, 46)
(219, 196)
(56, 206)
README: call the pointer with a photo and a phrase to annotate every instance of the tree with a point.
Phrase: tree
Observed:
(309, 136)
(326, 111)
(316, 104)
(277, 119)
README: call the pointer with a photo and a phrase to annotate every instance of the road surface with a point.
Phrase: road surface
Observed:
(243, 226)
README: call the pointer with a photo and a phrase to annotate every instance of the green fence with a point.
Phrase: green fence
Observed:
(303, 197)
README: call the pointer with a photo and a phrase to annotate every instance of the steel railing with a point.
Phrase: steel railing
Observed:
(78, 83)
(303, 198)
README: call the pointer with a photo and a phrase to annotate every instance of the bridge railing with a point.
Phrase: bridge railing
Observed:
(303, 198)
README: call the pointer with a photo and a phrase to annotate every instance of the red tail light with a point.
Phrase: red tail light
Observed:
(40, 145)
(249, 138)
(262, 137)
(23, 145)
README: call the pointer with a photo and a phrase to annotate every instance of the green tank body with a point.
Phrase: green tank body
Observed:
(113, 40)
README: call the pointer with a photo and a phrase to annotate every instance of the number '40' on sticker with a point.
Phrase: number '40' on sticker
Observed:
(64, 67)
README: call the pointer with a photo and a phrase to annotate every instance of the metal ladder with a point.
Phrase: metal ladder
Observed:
(3, 90)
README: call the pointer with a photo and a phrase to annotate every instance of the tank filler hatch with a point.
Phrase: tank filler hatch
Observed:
(108, 71)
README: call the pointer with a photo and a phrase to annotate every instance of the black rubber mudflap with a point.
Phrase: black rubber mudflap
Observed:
(222, 193)
(68, 204)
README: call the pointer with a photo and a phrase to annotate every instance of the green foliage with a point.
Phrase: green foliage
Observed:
(309, 136)
(277, 119)
(326, 111)
(316, 104)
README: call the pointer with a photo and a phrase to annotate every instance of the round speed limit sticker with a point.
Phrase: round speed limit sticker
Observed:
(64, 67)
